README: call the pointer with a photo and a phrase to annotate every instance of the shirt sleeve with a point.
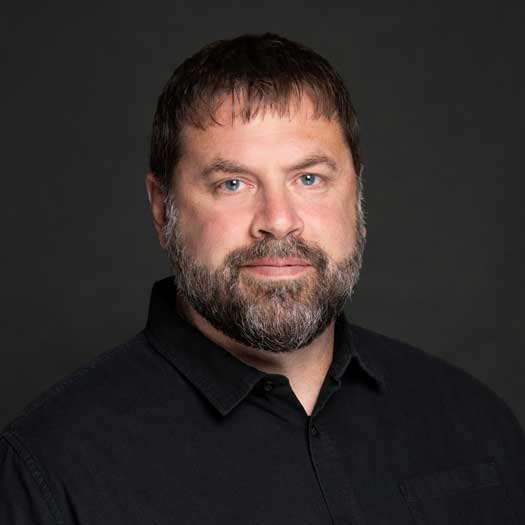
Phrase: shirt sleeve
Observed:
(22, 499)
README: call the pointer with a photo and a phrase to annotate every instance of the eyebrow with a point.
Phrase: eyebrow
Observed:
(229, 166)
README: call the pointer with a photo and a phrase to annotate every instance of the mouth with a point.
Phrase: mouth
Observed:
(287, 267)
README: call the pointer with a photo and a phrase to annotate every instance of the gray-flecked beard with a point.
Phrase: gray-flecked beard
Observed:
(276, 315)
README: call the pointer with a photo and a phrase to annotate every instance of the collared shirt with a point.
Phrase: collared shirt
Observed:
(170, 428)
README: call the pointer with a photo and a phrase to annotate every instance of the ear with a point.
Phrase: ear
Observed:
(156, 196)
(361, 169)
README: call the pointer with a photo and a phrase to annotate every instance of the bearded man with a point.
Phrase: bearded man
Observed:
(249, 397)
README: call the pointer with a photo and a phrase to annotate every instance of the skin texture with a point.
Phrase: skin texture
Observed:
(269, 199)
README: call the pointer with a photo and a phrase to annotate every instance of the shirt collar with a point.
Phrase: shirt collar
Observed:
(222, 378)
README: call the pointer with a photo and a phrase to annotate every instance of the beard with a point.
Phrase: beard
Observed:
(275, 315)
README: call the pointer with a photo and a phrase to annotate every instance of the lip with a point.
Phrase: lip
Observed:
(278, 268)
(289, 261)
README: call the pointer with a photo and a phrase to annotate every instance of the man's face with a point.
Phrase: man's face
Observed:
(263, 233)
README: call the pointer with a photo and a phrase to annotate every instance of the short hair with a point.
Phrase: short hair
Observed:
(259, 71)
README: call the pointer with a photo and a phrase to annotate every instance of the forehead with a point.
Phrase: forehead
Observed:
(297, 132)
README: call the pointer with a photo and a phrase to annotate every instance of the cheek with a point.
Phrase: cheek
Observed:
(211, 236)
(332, 226)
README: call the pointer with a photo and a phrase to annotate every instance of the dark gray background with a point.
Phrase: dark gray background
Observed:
(439, 91)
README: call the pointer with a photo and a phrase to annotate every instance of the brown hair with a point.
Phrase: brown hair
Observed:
(258, 71)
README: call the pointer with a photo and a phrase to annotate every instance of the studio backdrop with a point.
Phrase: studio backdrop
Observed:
(439, 92)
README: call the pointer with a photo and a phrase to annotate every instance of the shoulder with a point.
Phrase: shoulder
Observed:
(106, 384)
(402, 360)
(418, 378)
(54, 437)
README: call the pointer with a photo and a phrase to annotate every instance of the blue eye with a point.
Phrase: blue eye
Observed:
(231, 185)
(308, 179)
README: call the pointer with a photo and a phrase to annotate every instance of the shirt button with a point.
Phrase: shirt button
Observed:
(268, 386)
(314, 431)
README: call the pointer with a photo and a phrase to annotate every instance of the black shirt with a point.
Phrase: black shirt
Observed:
(169, 428)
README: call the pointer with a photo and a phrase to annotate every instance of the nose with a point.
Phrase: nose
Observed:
(276, 215)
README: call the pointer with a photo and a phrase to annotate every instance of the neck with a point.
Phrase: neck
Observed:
(305, 368)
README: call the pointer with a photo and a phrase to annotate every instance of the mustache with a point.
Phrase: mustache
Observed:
(269, 247)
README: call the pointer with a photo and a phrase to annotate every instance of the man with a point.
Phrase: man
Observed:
(248, 397)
